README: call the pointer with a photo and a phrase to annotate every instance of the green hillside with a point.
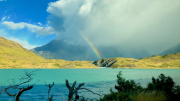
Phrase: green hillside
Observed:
(13, 55)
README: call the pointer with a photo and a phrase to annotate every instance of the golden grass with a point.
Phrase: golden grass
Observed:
(170, 61)
(151, 96)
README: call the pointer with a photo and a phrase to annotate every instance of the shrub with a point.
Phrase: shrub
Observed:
(165, 84)
(160, 89)
(127, 90)
(78, 64)
(56, 65)
(126, 85)
(162, 83)
(119, 96)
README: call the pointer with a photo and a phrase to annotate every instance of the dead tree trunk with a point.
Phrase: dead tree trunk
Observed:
(73, 90)
(21, 91)
(50, 86)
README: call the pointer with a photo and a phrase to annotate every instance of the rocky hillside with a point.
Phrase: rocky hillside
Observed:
(13, 55)
(108, 62)
(156, 61)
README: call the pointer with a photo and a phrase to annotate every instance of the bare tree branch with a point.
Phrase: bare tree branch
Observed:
(92, 91)
(50, 86)
(67, 84)
(74, 84)
(78, 87)
(9, 93)
(21, 91)
(23, 80)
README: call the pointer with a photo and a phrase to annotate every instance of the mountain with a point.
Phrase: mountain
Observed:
(13, 55)
(172, 50)
(61, 49)
(139, 54)
(136, 53)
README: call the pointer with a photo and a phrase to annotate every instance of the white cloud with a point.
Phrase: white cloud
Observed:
(2, 0)
(24, 43)
(39, 23)
(66, 7)
(86, 7)
(135, 24)
(5, 17)
(33, 28)
(13, 25)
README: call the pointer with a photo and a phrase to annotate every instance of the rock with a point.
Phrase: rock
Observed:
(108, 62)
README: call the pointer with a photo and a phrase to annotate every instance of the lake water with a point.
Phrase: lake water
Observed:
(97, 80)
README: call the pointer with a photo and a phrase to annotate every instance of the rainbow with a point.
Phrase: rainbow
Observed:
(94, 49)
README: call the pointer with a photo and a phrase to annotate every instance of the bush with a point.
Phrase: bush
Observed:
(127, 90)
(160, 89)
(56, 64)
(126, 85)
(165, 84)
(162, 83)
(119, 96)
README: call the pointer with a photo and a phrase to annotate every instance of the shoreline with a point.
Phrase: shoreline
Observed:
(102, 68)
(150, 68)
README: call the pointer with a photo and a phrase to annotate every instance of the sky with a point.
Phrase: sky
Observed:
(152, 25)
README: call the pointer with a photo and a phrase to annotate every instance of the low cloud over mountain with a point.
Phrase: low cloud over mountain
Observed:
(60, 49)
(151, 26)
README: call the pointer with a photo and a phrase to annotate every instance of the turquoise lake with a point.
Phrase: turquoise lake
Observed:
(97, 80)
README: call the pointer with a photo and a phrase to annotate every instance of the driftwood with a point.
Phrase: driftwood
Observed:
(50, 86)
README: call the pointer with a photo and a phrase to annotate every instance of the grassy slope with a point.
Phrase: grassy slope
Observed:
(156, 61)
(13, 55)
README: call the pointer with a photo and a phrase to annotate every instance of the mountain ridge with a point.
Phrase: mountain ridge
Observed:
(172, 50)
(58, 49)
